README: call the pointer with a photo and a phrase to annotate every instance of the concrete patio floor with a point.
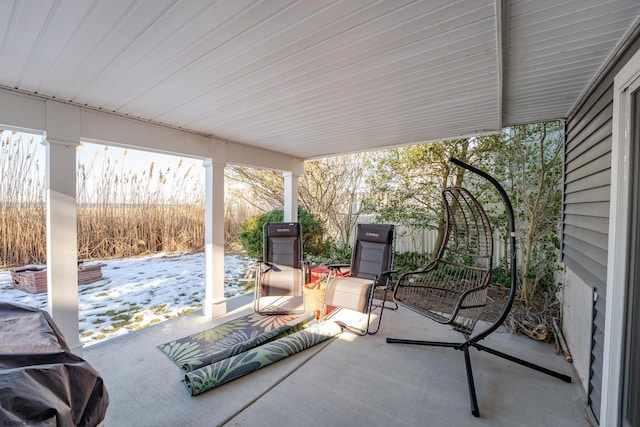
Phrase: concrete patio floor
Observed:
(347, 381)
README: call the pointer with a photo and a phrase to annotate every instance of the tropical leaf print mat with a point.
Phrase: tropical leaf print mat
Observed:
(232, 338)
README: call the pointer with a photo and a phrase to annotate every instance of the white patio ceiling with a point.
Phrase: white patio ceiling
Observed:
(314, 78)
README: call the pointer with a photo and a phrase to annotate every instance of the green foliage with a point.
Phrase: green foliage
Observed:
(250, 233)
(313, 234)
(409, 261)
(500, 277)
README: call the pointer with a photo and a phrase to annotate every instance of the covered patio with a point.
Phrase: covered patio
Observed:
(347, 381)
(270, 84)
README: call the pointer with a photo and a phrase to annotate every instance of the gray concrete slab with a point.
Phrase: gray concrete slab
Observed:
(347, 381)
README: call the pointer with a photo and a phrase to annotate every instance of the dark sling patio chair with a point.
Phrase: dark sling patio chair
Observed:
(281, 274)
(370, 268)
(452, 289)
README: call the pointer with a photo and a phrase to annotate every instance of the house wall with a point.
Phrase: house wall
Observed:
(587, 162)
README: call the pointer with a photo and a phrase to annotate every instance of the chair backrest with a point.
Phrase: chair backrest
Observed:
(372, 251)
(468, 237)
(283, 244)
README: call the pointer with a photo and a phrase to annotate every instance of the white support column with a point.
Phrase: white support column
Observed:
(290, 197)
(291, 190)
(215, 303)
(61, 139)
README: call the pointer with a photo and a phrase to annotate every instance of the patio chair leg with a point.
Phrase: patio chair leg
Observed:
(384, 304)
(371, 308)
(367, 330)
(530, 365)
(356, 331)
(472, 387)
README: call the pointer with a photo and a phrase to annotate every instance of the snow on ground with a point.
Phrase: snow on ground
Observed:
(137, 292)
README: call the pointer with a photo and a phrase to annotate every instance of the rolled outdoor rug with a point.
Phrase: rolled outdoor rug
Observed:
(231, 338)
(214, 375)
(243, 345)
(254, 342)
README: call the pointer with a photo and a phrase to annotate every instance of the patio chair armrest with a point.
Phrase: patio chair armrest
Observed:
(406, 276)
(469, 293)
(426, 268)
(337, 267)
(269, 266)
(384, 278)
(332, 266)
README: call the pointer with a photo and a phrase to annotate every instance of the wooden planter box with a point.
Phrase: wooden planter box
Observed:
(33, 279)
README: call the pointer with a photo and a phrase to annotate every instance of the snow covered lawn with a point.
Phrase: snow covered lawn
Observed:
(137, 292)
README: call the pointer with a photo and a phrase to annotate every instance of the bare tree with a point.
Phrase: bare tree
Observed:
(263, 189)
(331, 189)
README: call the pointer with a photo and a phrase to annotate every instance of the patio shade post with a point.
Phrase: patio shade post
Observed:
(62, 136)
(295, 170)
(215, 304)
(290, 197)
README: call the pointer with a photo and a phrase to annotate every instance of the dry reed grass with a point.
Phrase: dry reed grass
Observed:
(120, 212)
(22, 213)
